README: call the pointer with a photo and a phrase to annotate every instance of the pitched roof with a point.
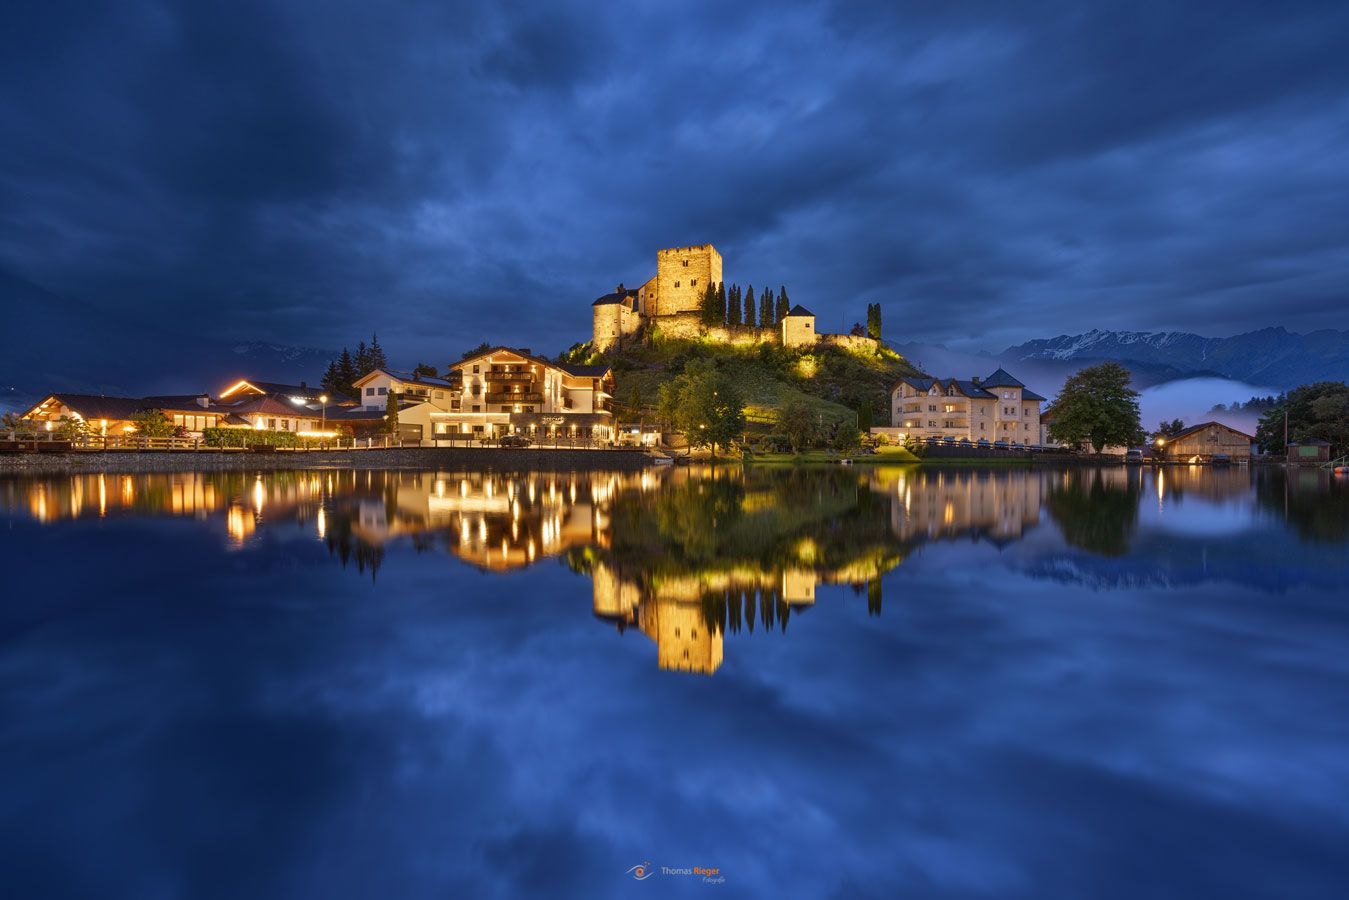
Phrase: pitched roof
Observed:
(616, 297)
(409, 377)
(96, 406)
(272, 406)
(799, 310)
(287, 390)
(1201, 426)
(584, 371)
(1001, 378)
(1028, 394)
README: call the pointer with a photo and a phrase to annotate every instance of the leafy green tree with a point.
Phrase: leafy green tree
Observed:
(152, 423)
(70, 428)
(766, 309)
(1318, 411)
(704, 405)
(748, 304)
(1170, 429)
(799, 424)
(422, 370)
(846, 438)
(784, 305)
(1097, 406)
(391, 413)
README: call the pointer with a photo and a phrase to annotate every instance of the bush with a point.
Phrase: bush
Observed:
(250, 437)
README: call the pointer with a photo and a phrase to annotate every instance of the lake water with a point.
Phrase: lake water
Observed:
(926, 682)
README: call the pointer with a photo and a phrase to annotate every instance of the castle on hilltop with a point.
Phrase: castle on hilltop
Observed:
(671, 302)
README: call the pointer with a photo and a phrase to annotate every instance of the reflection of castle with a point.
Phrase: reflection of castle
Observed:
(671, 612)
(998, 505)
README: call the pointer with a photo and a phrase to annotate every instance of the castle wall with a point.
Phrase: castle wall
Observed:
(853, 342)
(682, 276)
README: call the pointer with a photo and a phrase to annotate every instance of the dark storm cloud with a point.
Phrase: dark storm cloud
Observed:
(989, 172)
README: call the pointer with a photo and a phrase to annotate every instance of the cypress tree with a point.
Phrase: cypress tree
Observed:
(783, 303)
(749, 307)
(733, 305)
(721, 303)
(874, 321)
(709, 304)
(766, 310)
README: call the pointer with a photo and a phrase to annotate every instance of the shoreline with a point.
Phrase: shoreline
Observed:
(447, 458)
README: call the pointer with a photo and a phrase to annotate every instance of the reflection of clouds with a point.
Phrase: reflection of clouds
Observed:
(284, 730)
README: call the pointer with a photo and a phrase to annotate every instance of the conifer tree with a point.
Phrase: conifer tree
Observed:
(733, 305)
(346, 373)
(721, 303)
(874, 321)
(766, 310)
(748, 303)
(377, 359)
(784, 305)
(332, 379)
(362, 360)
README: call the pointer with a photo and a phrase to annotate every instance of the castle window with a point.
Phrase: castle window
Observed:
(693, 282)
(676, 284)
(686, 263)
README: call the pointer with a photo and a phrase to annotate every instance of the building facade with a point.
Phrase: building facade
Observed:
(993, 409)
(1201, 443)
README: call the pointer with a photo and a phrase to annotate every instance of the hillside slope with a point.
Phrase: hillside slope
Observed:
(836, 382)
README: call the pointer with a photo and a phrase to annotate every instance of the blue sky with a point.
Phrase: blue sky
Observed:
(450, 172)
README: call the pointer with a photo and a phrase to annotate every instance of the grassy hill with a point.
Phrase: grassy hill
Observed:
(835, 381)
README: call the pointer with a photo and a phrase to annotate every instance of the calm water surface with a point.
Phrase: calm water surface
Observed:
(927, 683)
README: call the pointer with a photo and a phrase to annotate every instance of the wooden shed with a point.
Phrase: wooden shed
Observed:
(1201, 443)
(1309, 452)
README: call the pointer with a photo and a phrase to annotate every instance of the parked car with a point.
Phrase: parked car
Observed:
(1000, 443)
(965, 442)
(1133, 456)
(983, 442)
(515, 440)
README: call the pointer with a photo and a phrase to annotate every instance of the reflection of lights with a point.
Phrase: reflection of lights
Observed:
(102, 495)
(322, 521)
(259, 494)
(482, 529)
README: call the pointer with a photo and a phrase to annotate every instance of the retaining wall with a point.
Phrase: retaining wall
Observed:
(445, 458)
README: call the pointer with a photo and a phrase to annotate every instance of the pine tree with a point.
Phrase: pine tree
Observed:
(733, 305)
(766, 310)
(784, 305)
(376, 353)
(332, 380)
(721, 303)
(748, 303)
(346, 373)
(362, 360)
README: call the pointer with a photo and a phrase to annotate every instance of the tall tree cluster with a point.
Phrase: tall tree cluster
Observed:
(724, 304)
(874, 321)
(1317, 411)
(348, 368)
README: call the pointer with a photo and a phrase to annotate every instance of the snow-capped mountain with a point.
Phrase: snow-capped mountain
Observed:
(1271, 356)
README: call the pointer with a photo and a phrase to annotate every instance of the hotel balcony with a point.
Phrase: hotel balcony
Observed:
(520, 397)
(494, 375)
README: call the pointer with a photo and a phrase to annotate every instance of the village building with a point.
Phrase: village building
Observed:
(1206, 441)
(1308, 452)
(993, 409)
(104, 416)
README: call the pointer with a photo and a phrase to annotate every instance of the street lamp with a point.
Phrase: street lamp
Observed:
(323, 412)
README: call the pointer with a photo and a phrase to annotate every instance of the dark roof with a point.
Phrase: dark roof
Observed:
(1314, 442)
(799, 310)
(1201, 426)
(276, 388)
(272, 406)
(1001, 378)
(970, 388)
(1028, 394)
(616, 297)
(584, 371)
(409, 377)
(97, 406)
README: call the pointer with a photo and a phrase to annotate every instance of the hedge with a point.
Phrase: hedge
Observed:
(251, 437)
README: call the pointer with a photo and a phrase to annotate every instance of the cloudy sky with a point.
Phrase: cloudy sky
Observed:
(446, 173)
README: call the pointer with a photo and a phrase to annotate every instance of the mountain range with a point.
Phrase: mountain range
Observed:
(1271, 356)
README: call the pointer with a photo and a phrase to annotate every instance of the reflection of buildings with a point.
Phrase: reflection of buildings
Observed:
(998, 504)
